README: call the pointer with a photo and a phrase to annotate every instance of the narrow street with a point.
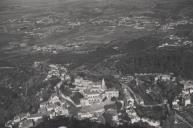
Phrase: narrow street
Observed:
(61, 95)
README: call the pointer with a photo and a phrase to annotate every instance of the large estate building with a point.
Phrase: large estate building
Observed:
(94, 92)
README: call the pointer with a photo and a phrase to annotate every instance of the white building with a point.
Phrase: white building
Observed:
(187, 101)
(90, 98)
(115, 118)
(163, 77)
(111, 93)
(84, 115)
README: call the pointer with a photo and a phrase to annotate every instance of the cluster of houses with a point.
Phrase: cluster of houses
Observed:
(140, 22)
(45, 20)
(131, 108)
(184, 99)
(45, 49)
(157, 76)
(54, 107)
(175, 23)
(57, 71)
(175, 41)
(24, 120)
(165, 77)
(130, 102)
(50, 109)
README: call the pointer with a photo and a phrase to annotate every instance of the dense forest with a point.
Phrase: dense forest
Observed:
(177, 61)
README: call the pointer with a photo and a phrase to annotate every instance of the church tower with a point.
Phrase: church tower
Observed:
(103, 85)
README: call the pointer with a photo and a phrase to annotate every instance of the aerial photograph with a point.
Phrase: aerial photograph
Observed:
(96, 63)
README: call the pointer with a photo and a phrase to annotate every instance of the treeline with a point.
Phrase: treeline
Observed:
(71, 122)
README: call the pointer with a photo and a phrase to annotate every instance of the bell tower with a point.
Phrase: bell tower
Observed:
(103, 85)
